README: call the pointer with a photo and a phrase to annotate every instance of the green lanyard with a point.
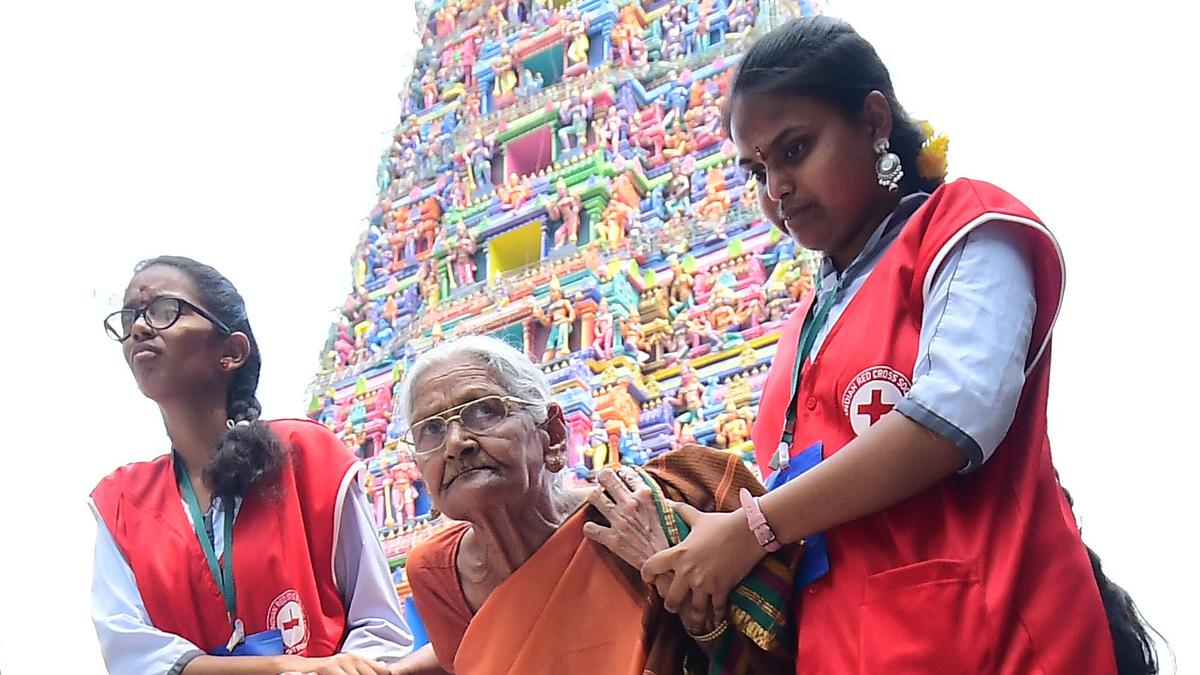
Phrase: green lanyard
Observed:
(223, 578)
(808, 337)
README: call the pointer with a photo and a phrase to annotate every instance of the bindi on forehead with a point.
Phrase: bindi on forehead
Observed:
(141, 292)
(144, 293)
(159, 280)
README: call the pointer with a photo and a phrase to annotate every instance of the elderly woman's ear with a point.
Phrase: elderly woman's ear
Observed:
(554, 440)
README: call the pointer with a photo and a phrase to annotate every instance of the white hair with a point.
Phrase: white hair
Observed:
(510, 368)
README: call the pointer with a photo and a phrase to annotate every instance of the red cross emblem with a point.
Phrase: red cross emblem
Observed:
(876, 408)
(287, 615)
(871, 394)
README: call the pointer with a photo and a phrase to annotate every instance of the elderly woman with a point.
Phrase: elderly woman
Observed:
(519, 585)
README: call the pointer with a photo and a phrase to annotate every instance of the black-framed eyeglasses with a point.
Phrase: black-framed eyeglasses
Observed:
(427, 436)
(160, 314)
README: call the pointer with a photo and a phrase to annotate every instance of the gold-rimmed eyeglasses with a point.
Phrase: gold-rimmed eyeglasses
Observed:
(428, 435)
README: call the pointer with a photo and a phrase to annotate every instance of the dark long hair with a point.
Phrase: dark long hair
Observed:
(825, 58)
(249, 453)
(1132, 644)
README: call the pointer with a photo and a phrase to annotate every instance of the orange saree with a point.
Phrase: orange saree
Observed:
(573, 607)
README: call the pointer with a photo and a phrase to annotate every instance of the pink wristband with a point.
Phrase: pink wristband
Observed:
(758, 522)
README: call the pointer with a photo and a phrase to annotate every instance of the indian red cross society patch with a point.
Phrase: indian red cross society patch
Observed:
(287, 614)
(872, 394)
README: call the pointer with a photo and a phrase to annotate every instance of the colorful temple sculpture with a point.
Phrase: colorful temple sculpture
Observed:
(560, 179)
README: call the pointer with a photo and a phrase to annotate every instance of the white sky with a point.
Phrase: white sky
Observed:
(247, 134)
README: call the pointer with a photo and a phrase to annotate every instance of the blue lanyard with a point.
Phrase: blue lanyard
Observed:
(223, 577)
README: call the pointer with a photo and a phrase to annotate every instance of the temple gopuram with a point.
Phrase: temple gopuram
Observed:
(560, 179)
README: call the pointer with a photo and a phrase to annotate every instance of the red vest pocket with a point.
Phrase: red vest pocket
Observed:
(926, 617)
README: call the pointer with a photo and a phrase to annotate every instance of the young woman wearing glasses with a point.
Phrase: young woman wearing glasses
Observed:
(249, 548)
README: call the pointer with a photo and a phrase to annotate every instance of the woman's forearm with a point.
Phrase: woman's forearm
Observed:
(345, 662)
(241, 665)
(890, 462)
(421, 662)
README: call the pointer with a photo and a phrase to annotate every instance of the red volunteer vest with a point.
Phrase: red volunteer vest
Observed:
(283, 547)
(981, 573)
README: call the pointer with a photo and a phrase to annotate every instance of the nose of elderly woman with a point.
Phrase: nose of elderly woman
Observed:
(458, 440)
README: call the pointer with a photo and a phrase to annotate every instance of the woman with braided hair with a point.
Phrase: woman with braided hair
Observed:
(249, 548)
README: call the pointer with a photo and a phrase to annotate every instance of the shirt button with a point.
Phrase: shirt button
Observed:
(811, 403)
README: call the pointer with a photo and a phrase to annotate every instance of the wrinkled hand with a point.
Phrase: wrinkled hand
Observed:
(338, 664)
(635, 532)
(706, 566)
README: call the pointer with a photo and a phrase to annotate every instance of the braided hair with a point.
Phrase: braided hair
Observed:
(825, 58)
(249, 453)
